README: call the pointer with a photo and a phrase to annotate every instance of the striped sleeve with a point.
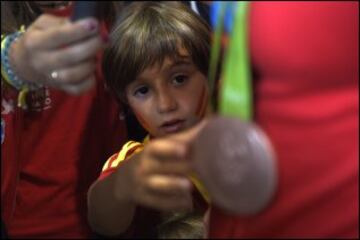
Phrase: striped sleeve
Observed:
(115, 160)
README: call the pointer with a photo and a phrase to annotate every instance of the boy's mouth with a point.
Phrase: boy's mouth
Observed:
(173, 126)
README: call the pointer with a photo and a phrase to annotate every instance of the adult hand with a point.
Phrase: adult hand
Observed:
(58, 53)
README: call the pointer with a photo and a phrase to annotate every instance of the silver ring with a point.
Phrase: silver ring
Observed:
(54, 75)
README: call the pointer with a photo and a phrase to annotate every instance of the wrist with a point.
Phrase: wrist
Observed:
(10, 66)
(10, 72)
(124, 184)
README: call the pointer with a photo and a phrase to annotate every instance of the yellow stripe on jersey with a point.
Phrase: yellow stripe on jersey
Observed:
(106, 165)
(118, 157)
(125, 149)
(115, 159)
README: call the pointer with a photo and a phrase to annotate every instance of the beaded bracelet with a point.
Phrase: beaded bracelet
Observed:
(8, 73)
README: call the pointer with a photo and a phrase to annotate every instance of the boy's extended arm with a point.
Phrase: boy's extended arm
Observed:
(111, 209)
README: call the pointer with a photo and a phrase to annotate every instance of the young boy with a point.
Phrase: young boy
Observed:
(157, 64)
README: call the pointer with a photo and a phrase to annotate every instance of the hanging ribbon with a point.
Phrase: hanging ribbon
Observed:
(235, 98)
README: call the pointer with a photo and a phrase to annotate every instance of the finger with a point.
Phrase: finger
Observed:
(74, 54)
(65, 34)
(46, 21)
(180, 167)
(165, 157)
(169, 185)
(152, 165)
(166, 150)
(79, 88)
(75, 74)
(190, 134)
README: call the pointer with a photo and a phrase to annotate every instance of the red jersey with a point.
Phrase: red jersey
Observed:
(51, 153)
(306, 61)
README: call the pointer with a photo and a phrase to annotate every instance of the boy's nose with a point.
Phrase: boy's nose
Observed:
(166, 102)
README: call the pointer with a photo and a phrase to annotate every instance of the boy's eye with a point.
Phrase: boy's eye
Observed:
(179, 79)
(141, 91)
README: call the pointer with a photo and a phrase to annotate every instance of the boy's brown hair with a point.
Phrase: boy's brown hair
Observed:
(148, 32)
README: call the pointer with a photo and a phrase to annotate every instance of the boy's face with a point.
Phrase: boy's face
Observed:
(169, 98)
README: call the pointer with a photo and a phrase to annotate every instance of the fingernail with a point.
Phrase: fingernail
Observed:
(90, 25)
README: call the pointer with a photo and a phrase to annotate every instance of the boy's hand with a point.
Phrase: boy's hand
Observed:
(160, 177)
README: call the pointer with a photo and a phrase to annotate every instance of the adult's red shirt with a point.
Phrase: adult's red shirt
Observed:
(306, 86)
(51, 153)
